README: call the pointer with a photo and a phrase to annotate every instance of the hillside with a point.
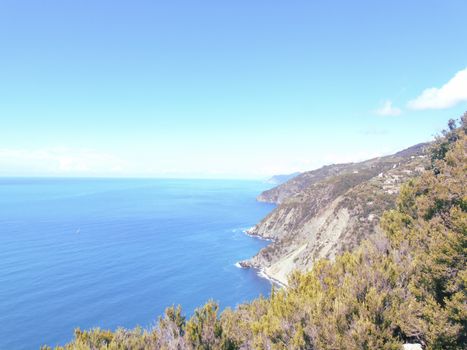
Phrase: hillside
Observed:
(280, 179)
(324, 212)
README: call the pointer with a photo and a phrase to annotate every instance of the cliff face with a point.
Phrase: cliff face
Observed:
(323, 212)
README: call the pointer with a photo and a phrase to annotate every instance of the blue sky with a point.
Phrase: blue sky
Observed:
(235, 89)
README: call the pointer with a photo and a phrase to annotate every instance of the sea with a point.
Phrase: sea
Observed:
(109, 253)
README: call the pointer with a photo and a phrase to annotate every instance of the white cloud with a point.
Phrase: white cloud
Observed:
(448, 95)
(388, 109)
(58, 161)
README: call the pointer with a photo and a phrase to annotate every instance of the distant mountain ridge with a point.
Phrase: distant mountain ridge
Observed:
(280, 179)
(323, 212)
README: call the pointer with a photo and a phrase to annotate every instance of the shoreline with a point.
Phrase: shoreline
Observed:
(261, 272)
(252, 235)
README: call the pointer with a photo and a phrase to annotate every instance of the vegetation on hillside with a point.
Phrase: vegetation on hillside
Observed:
(408, 286)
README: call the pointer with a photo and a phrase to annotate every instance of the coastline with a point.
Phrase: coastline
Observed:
(252, 235)
(261, 272)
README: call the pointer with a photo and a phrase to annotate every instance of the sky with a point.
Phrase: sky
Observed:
(223, 89)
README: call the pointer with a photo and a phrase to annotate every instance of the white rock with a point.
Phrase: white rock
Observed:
(412, 347)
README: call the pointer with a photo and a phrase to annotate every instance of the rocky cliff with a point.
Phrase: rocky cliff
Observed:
(323, 212)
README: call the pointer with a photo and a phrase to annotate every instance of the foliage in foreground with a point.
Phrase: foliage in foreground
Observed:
(407, 286)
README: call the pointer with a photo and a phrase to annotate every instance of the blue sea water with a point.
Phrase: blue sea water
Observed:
(112, 252)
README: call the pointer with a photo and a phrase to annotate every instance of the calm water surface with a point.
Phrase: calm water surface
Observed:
(108, 253)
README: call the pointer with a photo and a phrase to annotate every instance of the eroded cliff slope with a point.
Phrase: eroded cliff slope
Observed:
(323, 212)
